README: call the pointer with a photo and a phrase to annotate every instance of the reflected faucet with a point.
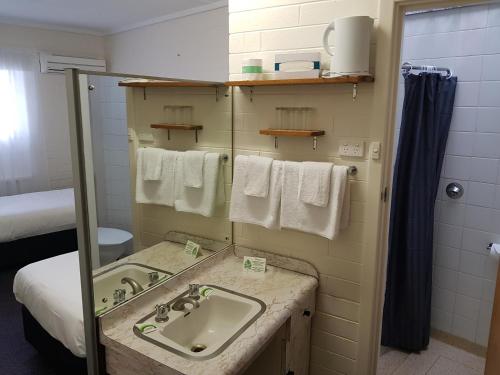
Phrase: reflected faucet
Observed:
(136, 287)
(180, 303)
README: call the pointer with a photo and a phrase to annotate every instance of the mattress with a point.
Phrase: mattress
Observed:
(32, 214)
(51, 291)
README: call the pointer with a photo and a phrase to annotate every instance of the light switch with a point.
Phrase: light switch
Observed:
(375, 150)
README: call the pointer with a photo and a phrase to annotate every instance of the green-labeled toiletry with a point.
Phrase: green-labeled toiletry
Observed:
(146, 327)
(192, 249)
(206, 291)
(254, 264)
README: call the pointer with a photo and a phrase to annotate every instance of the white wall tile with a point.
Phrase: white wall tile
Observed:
(490, 71)
(448, 257)
(297, 37)
(469, 285)
(494, 15)
(464, 119)
(483, 323)
(460, 143)
(486, 145)
(467, 307)
(264, 19)
(456, 167)
(471, 263)
(463, 327)
(487, 120)
(441, 320)
(443, 299)
(483, 170)
(473, 18)
(452, 213)
(488, 93)
(467, 94)
(493, 38)
(472, 42)
(479, 218)
(449, 235)
(488, 293)
(481, 194)
(445, 278)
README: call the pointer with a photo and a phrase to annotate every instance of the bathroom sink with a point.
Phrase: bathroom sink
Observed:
(204, 332)
(107, 282)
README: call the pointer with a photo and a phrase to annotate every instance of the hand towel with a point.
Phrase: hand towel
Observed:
(151, 163)
(202, 200)
(314, 183)
(323, 221)
(157, 192)
(193, 168)
(253, 210)
(257, 176)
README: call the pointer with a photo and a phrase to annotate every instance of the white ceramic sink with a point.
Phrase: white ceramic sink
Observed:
(204, 332)
(107, 282)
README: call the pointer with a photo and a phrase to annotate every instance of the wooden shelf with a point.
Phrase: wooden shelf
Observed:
(292, 132)
(177, 126)
(144, 84)
(303, 81)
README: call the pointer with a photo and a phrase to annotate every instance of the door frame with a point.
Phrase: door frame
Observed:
(389, 38)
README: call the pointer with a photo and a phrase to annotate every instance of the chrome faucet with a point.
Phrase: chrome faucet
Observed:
(180, 303)
(162, 311)
(136, 287)
(119, 296)
(194, 291)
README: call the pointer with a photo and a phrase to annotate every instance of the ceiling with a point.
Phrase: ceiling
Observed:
(99, 16)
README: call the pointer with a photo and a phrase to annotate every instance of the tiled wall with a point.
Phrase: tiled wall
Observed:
(152, 222)
(468, 41)
(261, 29)
(110, 149)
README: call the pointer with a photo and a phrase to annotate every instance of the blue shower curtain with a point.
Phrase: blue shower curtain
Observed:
(427, 110)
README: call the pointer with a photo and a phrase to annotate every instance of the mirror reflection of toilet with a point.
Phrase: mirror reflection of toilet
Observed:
(113, 244)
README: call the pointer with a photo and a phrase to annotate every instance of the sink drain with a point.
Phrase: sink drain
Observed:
(198, 348)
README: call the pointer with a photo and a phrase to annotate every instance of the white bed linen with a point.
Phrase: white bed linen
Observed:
(51, 291)
(32, 214)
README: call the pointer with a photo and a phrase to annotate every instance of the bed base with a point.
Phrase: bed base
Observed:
(19, 253)
(56, 353)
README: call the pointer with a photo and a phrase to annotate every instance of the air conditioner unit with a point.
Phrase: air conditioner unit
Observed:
(56, 64)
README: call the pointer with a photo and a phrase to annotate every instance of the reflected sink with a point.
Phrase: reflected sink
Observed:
(108, 281)
(204, 332)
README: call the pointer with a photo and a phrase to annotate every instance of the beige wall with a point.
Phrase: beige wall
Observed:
(152, 222)
(53, 114)
(343, 330)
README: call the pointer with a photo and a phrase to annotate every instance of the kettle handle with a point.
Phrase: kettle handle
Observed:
(330, 27)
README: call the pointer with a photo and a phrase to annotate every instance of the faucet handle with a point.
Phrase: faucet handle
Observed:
(194, 291)
(119, 296)
(162, 311)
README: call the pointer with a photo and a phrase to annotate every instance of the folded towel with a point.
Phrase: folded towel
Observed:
(193, 168)
(151, 163)
(203, 200)
(314, 183)
(323, 221)
(157, 192)
(257, 176)
(253, 210)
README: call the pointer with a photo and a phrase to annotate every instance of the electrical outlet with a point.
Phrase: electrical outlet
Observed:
(353, 149)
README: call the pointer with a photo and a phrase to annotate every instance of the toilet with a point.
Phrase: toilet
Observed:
(113, 244)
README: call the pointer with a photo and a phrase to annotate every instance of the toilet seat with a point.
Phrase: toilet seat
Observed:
(112, 236)
(113, 244)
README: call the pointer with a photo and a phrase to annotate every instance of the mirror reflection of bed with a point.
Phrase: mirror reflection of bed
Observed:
(137, 245)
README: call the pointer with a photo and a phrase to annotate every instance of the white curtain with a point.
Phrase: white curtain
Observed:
(23, 161)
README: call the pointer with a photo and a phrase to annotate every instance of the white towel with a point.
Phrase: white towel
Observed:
(193, 168)
(157, 192)
(203, 200)
(257, 176)
(323, 221)
(151, 163)
(253, 210)
(314, 183)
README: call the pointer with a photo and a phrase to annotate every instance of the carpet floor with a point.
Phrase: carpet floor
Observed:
(17, 356)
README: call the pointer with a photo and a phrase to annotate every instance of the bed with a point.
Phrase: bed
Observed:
(36, 226)
(50, 293)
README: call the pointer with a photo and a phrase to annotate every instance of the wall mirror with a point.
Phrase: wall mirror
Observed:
(155, 166)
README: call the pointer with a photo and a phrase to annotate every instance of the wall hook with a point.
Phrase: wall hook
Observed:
(216, 93)
(315, 143)
(275, 142)
(354, 91)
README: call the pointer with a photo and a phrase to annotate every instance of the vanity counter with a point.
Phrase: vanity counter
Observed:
(284, 293)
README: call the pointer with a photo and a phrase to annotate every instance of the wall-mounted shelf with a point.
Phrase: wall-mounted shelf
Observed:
(169, 127)
(303, 81)
(293, 133)
(354, 80)
(152, 83)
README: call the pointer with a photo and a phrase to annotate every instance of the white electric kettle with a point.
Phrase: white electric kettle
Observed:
(352, 45)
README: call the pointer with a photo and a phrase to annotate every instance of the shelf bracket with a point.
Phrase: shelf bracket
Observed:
(196, 135)
(216, 93)
(315, 143)
(251, 94)
(275, 142)
(144, 92)
(168, 134)
(354, 91)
